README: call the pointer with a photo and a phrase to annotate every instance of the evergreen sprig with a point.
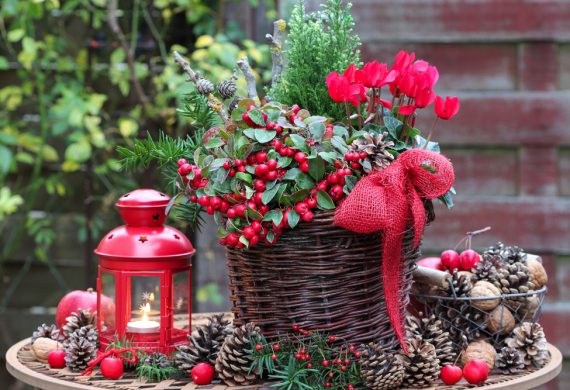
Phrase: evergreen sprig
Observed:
(318, 43)
(155, 367)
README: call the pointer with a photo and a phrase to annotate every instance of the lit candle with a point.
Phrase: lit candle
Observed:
(145, 325)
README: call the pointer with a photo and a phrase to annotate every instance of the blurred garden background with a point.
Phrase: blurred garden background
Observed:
(79, 78)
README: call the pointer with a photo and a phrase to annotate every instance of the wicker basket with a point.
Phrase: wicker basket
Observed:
(319, 276)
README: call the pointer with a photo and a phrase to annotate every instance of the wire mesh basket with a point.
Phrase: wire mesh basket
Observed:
(485, 317)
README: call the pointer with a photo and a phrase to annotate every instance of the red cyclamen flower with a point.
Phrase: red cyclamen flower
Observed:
(446, 109)
(341, 88)
(375, 75)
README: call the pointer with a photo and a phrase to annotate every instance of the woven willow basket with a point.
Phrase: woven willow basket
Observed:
(318, 276)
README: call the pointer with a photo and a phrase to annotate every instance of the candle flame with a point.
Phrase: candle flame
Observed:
(145, 309)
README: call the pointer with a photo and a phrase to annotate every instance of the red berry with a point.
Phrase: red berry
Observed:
(352, 348)
(261, 170)
(295, 108)
(226, 165)
(270, 125)
(277, 144)
(357, 354)
(276, 347)
(56, 359)
(311, 202)
(301, 208)
(258, 197)
(258, 347)
(290, 152)
(362, 155)
(328, 384)
(181, 162)
(215, 202)
(332, 339)
(240, 210)
(346, 361)
(271, 175)
(300, 157)
(343, 368)
(272, 164)
(256, 225)
(476, 371)
(354, 165)
(193, 198)
(204, 201)
(278, 129)
(232, 173)
(296, 328)
(254, 240)
(308, 216)
(331, 375)
(238, 162)
(231, 213)
(273, 357)
(248, 232)
(210, 210)
(202, 374)
(309, 365)
(326, 363)
(241, 168)
(337, 164)
(450, 259)
(322, 186)
(261, 157)
(259, 185)
(336, 192)
(298, 356)
(332, 178)
(232, 239)
(451, 374)
(304, 166)
(468, 259)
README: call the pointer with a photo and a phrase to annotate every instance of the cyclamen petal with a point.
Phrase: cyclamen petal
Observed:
(446, 109)
(406, 110)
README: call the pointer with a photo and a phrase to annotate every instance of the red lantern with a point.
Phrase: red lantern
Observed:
(146, 267)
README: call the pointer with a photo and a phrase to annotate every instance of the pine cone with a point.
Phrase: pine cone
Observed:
(205, 343)
(80, 348)
(487, 268)
(235, 357)
(374, 145)
(430, 329)
(158, 360)
(461, 320)
(79, 319)
(460, 284)
(227, 88)
(381, 370)
(421, 364)
(51, 332)
(529, 340)
(508, 254)
(204, 86)
(509, 360)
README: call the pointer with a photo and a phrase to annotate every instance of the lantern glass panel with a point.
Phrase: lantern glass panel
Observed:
(144, 304)
(107, 309)
(181, 303)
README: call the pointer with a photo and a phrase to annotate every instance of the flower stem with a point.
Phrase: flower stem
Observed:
(359, 117)
(430, 133)
(348, 117)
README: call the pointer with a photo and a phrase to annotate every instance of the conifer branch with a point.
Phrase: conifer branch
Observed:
(277, 53)
(245, 68)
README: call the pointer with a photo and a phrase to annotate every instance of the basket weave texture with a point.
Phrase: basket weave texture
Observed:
(318, 276)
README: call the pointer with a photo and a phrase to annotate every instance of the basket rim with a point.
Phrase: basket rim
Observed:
(543, 290)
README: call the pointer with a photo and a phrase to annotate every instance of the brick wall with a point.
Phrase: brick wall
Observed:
(509, 62)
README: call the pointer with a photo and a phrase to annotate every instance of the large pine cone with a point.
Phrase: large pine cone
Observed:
(509, 360)
(529, 340)
(235, 357)
(421, 364)
(80, 348)
(381, 370)
(49, 331)
(79, 319)
(431, 329)
(205, 343)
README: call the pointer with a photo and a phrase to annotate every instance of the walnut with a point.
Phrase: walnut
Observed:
(529, 308)
(538, 273)
(485, 289)
(42, 347)
(501, 320)
(479, 349)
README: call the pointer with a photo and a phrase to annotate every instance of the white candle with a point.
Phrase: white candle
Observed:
(145, 325)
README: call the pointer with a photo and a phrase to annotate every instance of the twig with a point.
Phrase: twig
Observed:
(215, 104)
(113, 22)
(243, 64)
(277, 55)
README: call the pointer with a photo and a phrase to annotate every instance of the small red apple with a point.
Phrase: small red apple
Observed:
(450, 259)
(202, 374)
(431, 262)
(468, 259)
(56, 359)
(112, 367)
(476, 371)
(451, 374)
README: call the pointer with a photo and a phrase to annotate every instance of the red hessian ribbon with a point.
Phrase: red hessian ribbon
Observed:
(111, 352)
(388, 201)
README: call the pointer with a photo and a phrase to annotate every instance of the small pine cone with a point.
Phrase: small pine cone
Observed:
(509, 360)
(421, 364)
(375, 146)
(235, 357)
(79, 319)
(204, 344)
(381, 370)
(227, 88)
(460, 284)
(51, 332)
(487, 268)
(158, 360)
(80, 348)
(529, 340)
(431, 329)
(514, 254)
(461, 320)
(204, 86)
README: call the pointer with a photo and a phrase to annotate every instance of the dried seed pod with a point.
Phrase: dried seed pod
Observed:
(480, 349)
(485, 289)
(501, 320)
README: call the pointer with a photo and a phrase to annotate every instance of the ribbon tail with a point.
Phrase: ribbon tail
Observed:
(419, 216)
(392, 254)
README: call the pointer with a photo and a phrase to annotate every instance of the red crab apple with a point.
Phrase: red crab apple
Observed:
(431, 262)
(476, 371)
(202, 374)
(450, 259)
(468, 259)
(80, 299)
(56, 359)
(451, 374)
(112, 367)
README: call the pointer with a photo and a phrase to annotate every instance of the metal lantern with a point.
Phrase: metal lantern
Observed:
(145, 271)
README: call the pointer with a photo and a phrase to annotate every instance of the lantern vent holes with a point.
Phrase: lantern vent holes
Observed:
(110, 236)
(177, 237)
(143, 239)
(156, 217)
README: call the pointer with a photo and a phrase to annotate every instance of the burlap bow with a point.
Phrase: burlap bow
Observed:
(390, 201)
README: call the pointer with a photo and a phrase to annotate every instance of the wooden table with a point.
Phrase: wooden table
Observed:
(25, 368)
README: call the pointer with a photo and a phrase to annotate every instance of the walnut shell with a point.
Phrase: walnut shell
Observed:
(538, 273)
(528, 310)
(501, 320)
(485, 289)
(42, 347)
(479, 349)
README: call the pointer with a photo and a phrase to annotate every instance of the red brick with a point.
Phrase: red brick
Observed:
(539, 171)
(538, 66)
(518, 118)
(554, 318)
(472, 167)
(564, 66)
(561, 279)
(461, 66)
(538, 224)
(564, 171)
(462, 20)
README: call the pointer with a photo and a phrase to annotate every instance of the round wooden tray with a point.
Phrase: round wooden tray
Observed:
(24, 367)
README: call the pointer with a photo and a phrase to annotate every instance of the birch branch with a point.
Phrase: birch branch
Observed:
(215, 104)
(243, 64)
(277, 54)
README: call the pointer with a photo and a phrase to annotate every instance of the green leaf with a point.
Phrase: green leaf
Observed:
(263, 136)
(253, 214)
(340, 131)
(268, 195)
(4, 63)
(324, 201)
(298, 196)
(257, 117)
(393, 125)
(317, 130)
(243, 176)
(16, 34)
(350, 183)
(250, 133)
(339, 144)
(298, 141)
(214, 143)
(317, 168)
(291, 174)
(275, 216)
(329, 156)
(78, 152)
(5, 160)
(293, 218)
(304, 181)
